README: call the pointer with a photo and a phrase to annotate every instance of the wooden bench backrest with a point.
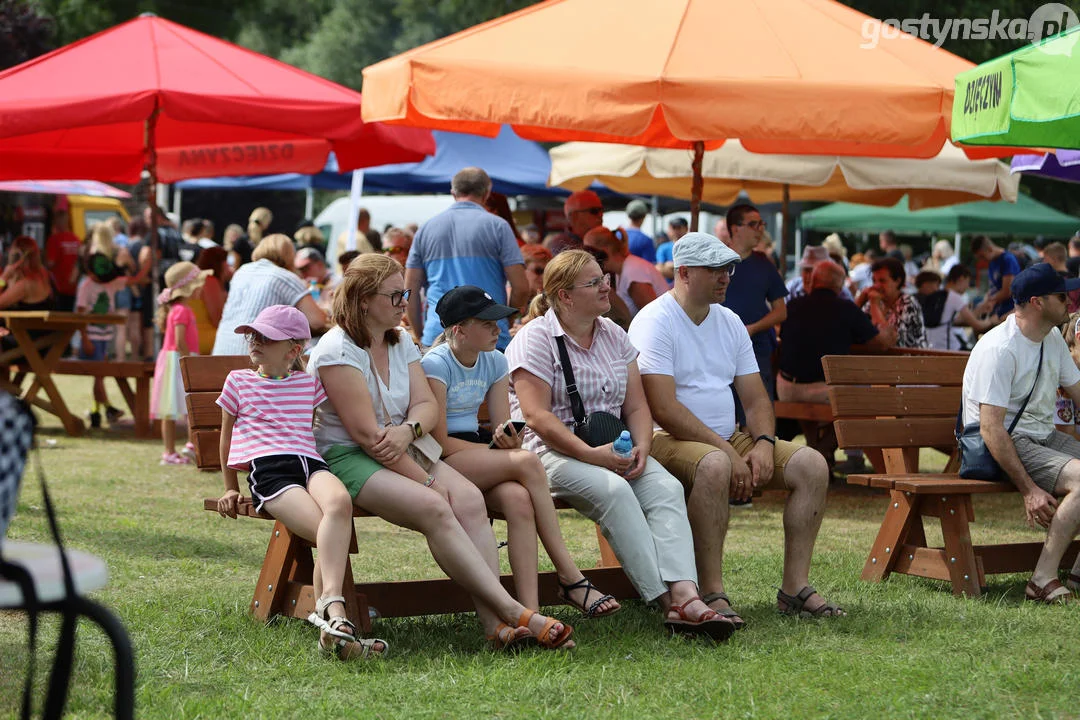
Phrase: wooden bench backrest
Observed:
(204, 376)
(895, 403)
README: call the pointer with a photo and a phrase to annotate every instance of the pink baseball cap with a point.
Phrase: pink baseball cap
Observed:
(279, 322)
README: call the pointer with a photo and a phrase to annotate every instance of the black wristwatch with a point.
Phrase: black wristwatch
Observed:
(767, 438)
(417, 429)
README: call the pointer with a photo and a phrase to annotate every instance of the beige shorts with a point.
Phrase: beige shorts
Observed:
(681, 457)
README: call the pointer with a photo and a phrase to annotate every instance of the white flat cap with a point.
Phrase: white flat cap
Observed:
(698, 249)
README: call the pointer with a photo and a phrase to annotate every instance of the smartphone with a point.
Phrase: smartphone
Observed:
(519, 426)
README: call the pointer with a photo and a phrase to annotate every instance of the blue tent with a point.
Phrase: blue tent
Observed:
(516, 167)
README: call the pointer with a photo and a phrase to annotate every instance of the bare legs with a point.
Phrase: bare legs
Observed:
(1063, 527)
(464, 547)
(491, 470)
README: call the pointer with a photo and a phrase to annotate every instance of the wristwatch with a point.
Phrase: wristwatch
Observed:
(767, 438)
(417, 429)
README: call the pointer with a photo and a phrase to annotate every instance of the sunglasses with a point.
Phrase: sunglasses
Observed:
(535, 270)
(600, 256)
(592, 211)
(397, 297)
(596, 282)
(395, 251)
(257, 338)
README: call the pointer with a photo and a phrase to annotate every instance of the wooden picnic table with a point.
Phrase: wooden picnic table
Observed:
(43, 354)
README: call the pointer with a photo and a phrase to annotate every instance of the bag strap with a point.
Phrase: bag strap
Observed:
(1016, 418)
(1038, 372)
(378, 390)
(576, 406)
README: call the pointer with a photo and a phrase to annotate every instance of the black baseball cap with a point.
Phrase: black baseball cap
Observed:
(468, 301)
(1038, 280)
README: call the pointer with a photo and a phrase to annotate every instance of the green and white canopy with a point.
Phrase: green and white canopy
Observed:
(1028, 98)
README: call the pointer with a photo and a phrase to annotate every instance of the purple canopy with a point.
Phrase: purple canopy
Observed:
(1064, 165)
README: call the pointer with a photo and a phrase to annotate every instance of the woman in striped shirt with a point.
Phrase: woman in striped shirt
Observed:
(267, 280)
(639, 506)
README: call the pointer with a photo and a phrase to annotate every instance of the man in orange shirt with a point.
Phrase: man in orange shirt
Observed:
(62, 260)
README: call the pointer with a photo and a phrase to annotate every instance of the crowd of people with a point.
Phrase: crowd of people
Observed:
(367, 386)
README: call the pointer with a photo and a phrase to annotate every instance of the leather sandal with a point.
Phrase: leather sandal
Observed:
(342, 643)
(545, 637)
(710, 623)
(507, 638)
(332, 625)
(1047, 594)
(591, 611)
(795, 605)
(728, 612)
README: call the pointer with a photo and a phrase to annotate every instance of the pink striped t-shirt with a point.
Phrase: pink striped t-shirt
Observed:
(273, 416)
(600, 372)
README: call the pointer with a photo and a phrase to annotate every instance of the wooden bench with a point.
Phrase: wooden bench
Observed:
(137, 397)
(285, 587)
(899, 405)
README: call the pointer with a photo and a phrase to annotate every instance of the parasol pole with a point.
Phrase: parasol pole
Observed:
(696, 185)
(151, 192)
(785, 234)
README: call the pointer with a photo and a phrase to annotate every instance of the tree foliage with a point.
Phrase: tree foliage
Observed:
(24, 33)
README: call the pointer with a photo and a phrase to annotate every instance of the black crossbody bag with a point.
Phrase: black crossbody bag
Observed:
(596, 428)
(976, 462)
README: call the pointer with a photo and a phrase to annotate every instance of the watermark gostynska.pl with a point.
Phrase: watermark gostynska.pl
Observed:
(1049, 19)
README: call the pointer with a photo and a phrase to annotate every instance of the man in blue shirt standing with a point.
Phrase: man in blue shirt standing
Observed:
(640, 243)
(677, 227)
(756, 293)
(464, 245)
(1003, 267)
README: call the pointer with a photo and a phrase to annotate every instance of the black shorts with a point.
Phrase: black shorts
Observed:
(272, 475)
(481, 436)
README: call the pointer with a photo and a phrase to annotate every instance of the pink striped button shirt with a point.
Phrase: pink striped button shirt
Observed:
(599, 372)
(273, 416)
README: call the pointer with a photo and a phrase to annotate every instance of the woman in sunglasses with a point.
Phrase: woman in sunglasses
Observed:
(374, 436)
(639, 506)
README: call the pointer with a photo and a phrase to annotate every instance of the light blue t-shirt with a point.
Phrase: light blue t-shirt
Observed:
(664, 255)
(464, 245)
(466, 387)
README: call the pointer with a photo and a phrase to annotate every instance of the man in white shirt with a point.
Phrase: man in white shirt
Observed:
(637, 281)
(1027, 355)
(689, 392)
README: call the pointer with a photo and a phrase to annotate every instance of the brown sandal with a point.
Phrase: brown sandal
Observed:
(1073, 582)
(710, 623)
(1045, 594)
(728, 612)
(545, 637)
(796, 605)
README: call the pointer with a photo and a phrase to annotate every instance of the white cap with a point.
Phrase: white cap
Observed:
(698, 249)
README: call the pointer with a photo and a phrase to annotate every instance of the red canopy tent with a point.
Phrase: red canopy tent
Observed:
(151, 94)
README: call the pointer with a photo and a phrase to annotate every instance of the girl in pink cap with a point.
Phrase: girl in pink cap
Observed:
(266, 417)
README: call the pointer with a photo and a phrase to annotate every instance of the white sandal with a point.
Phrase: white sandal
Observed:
(341, 641)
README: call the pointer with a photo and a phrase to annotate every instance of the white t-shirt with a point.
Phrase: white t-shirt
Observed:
(1001, 372)
(710, 356)
(943, 337)
(337, 348)
(636, 270)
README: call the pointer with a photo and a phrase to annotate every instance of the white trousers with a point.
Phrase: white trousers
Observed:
(643, 519)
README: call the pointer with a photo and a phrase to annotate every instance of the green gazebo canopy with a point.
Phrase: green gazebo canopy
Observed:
(1024, 217)
(1028, 98)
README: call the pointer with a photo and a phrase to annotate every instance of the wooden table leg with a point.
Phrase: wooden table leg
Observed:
(964, 571)
(901, 513)
(144, 428)
(42, 369)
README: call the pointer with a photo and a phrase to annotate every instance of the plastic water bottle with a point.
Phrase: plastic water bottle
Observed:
(623, 445)
(313, 286)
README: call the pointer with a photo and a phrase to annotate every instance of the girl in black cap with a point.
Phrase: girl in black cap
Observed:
(464, 372)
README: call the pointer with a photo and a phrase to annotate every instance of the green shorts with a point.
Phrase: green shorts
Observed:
(352, 465)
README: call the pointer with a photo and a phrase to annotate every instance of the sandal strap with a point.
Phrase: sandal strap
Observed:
(713, 597)
(706, 616)
(1043, 593)
(326, 601)
(596, 604)
(589, 588)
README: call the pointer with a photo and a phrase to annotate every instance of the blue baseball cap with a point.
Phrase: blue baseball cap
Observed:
(1041, 279)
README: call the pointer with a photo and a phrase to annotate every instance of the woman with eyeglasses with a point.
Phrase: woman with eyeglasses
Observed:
(373, 434)
(890, 308)
(267, 280)
(638, 505)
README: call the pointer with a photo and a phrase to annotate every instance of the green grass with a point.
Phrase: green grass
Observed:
(182, 578)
